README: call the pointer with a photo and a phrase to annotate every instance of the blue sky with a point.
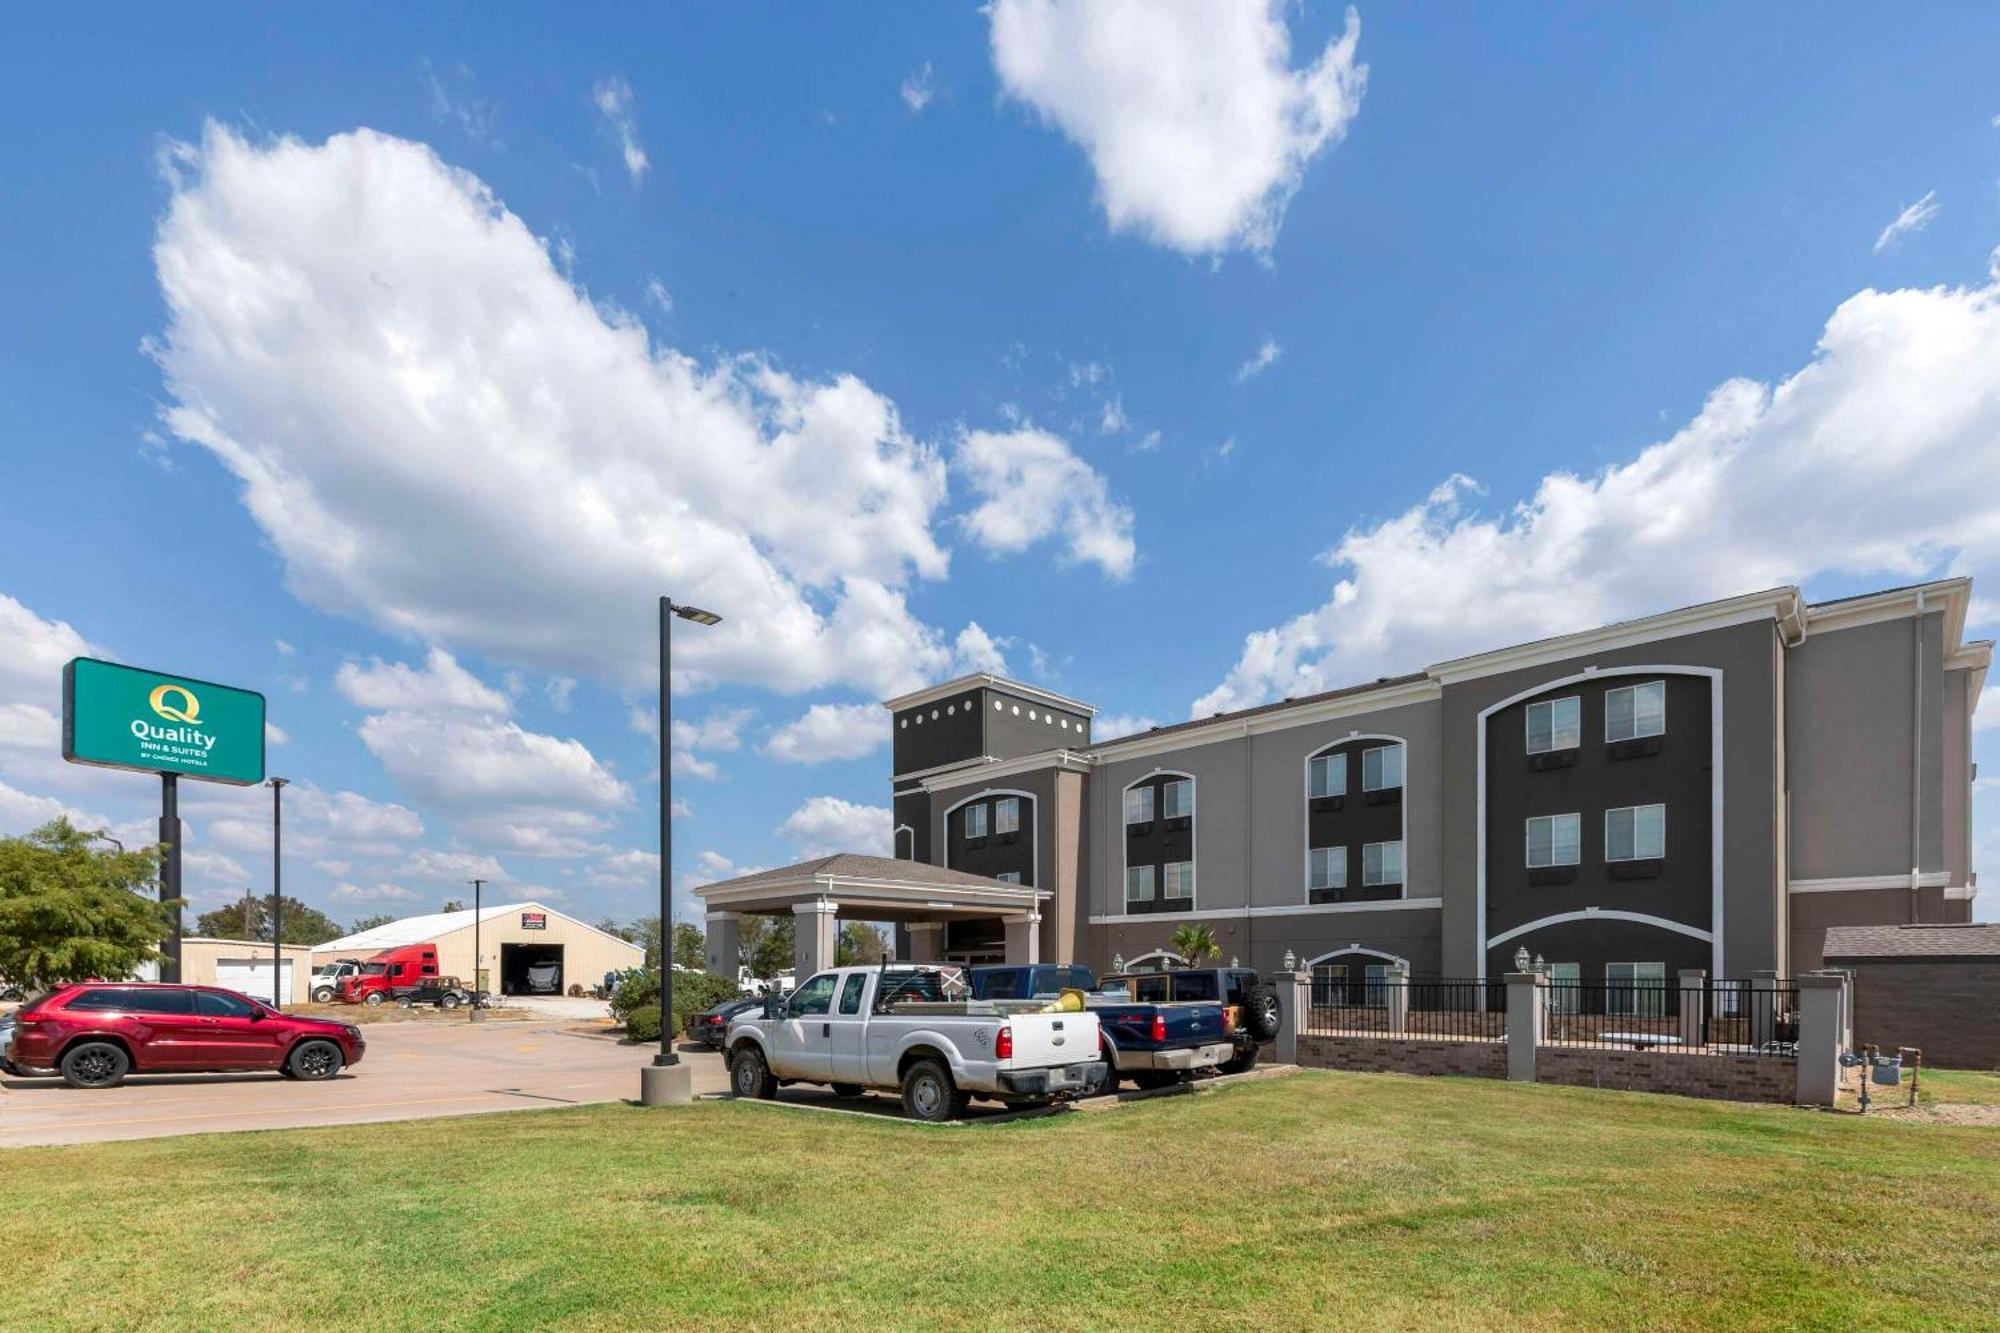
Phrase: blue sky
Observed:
(385, 364)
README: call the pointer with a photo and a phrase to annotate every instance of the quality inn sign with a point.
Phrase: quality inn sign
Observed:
(121, 717)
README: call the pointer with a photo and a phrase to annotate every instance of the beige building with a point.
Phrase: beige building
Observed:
(245, 965)
(518, 943)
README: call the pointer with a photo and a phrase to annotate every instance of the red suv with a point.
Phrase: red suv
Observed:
(97, 1032)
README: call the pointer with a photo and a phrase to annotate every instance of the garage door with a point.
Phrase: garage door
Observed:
(253, 979)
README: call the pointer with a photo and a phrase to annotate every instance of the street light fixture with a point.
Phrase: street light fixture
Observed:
(656, 1087)
(277, 786)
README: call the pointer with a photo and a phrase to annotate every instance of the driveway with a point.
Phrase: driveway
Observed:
(411, 1071)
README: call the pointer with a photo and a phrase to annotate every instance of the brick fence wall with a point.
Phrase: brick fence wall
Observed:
(1405, 1055)
(1947, 1008)
(1742, 1078)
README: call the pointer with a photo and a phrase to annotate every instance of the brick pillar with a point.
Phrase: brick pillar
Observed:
(723, 933)
(1822, 1001)
(926, 941)
(1398, 996)
(1294, 1012)
(813, 938)
(1526, 996)
(1760, 1007)
(1694, 984)
(1024, 937)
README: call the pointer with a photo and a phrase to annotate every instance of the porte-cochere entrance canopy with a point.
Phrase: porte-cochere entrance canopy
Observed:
(920, 897)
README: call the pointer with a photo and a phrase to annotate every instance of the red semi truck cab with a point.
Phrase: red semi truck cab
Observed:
(389, 973)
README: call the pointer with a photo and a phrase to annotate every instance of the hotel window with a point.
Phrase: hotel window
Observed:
(1327, 868)
(1326, 775)
(1382, 768)
(1375, 985)
(1635, 833)
(1382, 863)
(1177, 799)
(1555, 724)
(1007, 815)
(1554, 840)
(1635, 990)
(1139, 805)
(1138, 884)
(1565, 981)
(975, 821)
(1179, 880)
(1632, 711)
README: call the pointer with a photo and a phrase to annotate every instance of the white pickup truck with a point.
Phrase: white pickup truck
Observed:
(894, 1026)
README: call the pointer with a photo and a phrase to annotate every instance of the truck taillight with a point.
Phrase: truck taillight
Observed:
(1003, 1044)
(1159, 1027)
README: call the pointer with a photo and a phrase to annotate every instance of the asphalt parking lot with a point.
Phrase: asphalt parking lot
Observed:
(411, 1071)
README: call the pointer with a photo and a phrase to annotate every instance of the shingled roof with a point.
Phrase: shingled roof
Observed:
(1969, 939)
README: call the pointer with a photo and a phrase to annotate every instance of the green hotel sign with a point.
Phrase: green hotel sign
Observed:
(121, 717)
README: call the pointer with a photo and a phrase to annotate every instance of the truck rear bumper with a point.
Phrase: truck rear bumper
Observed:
(1185, 1058)
(1058, 1081)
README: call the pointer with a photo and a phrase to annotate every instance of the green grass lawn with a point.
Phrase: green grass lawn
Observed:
(1321, 1200)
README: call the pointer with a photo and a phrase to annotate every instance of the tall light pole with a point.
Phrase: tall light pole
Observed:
(277, 786)
(655, 1085)
(477, 885)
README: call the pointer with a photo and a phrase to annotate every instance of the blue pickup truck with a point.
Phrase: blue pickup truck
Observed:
(1151, 1042)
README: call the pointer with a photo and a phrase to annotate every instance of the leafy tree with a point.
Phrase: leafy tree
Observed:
(767, 945)
(70, 911)
(453, 905)
(646, 934)
(636, 1002)
(370, 922)
(690, 945)
(250, 919)
(610, 926)
(859, 943)
(1194, 943)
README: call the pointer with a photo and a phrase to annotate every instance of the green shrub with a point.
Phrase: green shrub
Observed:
(636, 1002)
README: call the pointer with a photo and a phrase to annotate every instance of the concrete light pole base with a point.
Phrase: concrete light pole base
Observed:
(666, 1085)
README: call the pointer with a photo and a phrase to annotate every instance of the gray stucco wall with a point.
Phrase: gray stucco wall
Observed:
(1752, 854)
(1848, 730)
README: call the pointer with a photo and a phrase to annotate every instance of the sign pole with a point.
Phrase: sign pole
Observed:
(170, 870)
(477, 913)
(277, 786)
(666, 1055)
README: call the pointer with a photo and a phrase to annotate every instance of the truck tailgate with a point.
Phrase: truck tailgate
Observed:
(1189, 1023)
(1041, 1040)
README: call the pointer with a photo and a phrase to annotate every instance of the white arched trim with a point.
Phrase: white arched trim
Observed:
(1029, 812)
(1164, 955)
(1306, 805)
(1351, 950)
(896, 842)
(1715, 766)
(1601, 914)
(1194, 841)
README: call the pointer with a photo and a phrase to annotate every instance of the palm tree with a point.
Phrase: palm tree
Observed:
(1193, 943)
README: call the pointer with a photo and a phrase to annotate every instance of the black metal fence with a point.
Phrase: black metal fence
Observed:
(1717, 1017)
(1464, 1009)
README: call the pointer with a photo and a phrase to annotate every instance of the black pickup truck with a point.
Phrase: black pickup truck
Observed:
(1250, 1003)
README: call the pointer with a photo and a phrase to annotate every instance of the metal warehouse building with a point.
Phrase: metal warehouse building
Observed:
(513, 938)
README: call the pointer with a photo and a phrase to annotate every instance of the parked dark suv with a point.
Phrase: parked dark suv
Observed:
(444, 992)
(96, 1032)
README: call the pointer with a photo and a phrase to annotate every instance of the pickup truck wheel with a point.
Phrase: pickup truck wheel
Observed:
(928, 1093)
(323, 995)
(1149, 1079)
(846, 1089)
(95, 1064)
(750, 1076)
(313, 1061)
(1242, 1062)
(1260, 1012)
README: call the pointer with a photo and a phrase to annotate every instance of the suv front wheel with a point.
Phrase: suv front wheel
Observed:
(313, 1061)
(95, 1064)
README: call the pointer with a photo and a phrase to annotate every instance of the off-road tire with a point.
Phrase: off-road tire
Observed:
(314, 1061)
(448, 1001)
(95, 1064)
(1149, 1079)
(846, 1089)
(1260, 1012)
(929, 1094)
(1242, 1062)
(750, 1075)
(406, 1003)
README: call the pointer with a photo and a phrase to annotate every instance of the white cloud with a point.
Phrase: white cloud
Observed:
(976, 650)
(1876, 460)
(1197, 125)
(454, 101)
(441, 436)
(826, 824)
(830, 731)
(658, 296)
(614, 99)
(21, 811)
(1031, 487)
(438, 867)
(1987, 715)
(1110, 726)
(276, 735)
(441, 684)
(1111, 417)
(1910, 221)
(628, 869)
(284, 649)
(33, 652)
(380, 892)
(1261, 360)
(918, 89)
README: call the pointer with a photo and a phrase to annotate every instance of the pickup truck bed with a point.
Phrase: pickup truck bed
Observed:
(1150, 1040)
